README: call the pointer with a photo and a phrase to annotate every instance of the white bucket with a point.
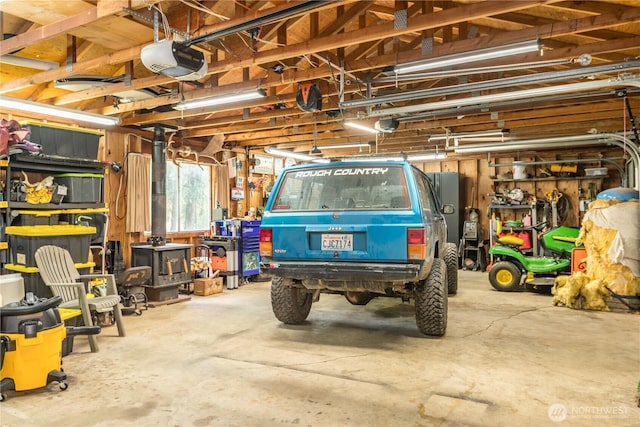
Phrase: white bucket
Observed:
(11, 288)
(519, 170)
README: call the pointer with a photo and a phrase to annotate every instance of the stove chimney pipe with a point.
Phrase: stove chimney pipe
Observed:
(158, 190)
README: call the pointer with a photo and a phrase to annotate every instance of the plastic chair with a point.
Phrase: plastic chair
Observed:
(60, 274)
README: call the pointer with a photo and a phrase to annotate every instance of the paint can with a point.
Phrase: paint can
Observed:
(519, 170)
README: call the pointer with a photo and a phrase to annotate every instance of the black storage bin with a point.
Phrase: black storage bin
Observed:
(65, 141)
(32, 219)
(81, 187)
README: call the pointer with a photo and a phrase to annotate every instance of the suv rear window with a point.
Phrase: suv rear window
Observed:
(353, 187)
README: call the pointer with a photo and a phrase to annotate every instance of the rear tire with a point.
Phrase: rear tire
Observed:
(290, 305)
(505, 276)
(432, 301)
(451, 260)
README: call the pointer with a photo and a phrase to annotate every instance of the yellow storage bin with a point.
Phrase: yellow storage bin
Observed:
(24, 241)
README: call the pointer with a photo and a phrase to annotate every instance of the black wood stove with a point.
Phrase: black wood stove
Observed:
(171, 267)
(170, 262)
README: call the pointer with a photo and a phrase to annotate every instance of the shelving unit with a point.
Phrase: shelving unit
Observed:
(21, 217)
(553, 179)
(530, 208)
(572, 187)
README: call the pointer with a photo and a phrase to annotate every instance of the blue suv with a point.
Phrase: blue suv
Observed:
(361, 229)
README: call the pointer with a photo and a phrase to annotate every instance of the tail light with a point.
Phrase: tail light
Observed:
(416, 247)
(266, 242)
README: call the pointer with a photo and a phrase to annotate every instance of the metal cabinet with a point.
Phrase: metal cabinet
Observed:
(447, 189)
(237, 255)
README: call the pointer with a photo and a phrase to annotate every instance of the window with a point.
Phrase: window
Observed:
(424, 192)
(354, 187)
(188, 189)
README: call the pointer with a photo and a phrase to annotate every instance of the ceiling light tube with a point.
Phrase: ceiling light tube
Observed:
(466, 57)
(221, 99)
(481, 134)
(55, 111)
(481, 139)
(373, 158)
(456, 111)
(398, 158)
(515, 146)
(507, 96)
(584, 60)
(492, 84)
(294, 155)
(23, 61)
(360, 126)
(427, 156)
(338, 146)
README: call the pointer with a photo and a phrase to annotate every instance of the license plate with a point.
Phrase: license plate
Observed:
(337, 242)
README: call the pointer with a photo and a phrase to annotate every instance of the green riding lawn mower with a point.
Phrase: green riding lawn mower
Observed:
(512, 269)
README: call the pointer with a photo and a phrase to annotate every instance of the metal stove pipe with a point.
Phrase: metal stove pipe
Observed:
(158, 190)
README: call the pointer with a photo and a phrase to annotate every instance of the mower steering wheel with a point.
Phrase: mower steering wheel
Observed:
(540, 226)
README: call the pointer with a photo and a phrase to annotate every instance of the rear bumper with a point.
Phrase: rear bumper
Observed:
(341, 271)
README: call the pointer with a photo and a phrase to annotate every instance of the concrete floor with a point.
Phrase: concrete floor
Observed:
(507, 359)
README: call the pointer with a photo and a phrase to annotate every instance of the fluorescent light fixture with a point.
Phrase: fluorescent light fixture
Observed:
(411, 157)
(222, 99)
(294, 155)
(23, 61)
(360, 126)
(481, 134)
(513, 146)
(427, 156)
(55, 111)
(621, 80)
(340, 146)
(466, 57)
(516, 81)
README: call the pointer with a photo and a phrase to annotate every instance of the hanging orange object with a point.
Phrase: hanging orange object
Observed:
(309, 97)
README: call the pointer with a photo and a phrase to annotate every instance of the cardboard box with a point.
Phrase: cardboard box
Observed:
(207, 286)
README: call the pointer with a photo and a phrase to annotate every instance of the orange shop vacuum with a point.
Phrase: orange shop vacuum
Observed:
(31, 338)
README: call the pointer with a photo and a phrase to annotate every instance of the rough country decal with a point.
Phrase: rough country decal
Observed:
(341, 172)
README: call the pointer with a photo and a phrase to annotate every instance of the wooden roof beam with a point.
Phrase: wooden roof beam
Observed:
(322, 43)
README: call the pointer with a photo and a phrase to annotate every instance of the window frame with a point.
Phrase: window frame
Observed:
(175, 191)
